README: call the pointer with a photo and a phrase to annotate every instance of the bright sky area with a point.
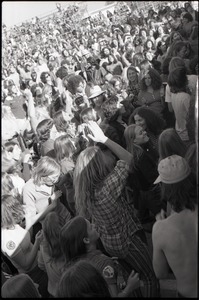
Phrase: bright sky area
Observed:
(15, 12)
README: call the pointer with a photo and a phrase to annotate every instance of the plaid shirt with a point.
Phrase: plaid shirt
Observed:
(114, 218)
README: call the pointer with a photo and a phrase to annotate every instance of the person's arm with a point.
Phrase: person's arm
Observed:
(31, 216)
(168, 98)
(160, 264)
(26, 261)
(132, 284)
(98, 136)
(31, 110)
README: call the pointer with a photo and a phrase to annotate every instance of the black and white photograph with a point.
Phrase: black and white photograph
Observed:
(99, 149)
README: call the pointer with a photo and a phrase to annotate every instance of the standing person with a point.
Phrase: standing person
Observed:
(99, 195)
(180, 100)
(175, 243)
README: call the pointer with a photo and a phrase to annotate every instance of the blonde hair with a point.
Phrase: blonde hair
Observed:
(46, 166)
(90, 171)
(135, 150)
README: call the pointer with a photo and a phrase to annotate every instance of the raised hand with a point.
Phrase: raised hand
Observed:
(97, 133)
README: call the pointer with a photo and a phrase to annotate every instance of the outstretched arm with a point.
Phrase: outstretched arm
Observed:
(98, 136)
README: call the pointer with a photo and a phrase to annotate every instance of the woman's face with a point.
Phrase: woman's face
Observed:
(93, 235)
(118, 86)
(51, 179)
(143, 33)
(149, 44)
(106, 52)
(140, 136)
(132, 75)
(147, 80)
(140, 121)
(80, 88)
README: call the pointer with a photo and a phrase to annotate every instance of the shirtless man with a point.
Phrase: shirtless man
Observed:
(174, 239)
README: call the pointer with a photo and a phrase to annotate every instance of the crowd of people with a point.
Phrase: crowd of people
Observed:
(99, 154)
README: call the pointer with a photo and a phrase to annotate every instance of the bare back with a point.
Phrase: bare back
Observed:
(177, 237)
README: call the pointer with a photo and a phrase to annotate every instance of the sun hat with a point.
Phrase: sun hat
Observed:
(95, 91)
(172, 169)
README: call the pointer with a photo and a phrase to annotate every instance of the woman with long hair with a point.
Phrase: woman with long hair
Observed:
(146, 195)
(45, 144)
(99, 196)
(50, 257)
(151, 91)
(151, 122)
(86, 279)
(78, 240)
(170, 143)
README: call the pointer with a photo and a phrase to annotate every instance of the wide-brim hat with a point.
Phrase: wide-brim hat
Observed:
(95, 92)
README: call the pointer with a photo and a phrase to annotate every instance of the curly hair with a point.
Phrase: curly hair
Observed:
(154, 122)
(156, 81)
(73, 83)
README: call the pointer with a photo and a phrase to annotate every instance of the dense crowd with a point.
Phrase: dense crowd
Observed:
(99, 154)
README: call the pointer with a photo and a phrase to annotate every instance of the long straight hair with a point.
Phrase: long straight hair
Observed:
(90, 171)
(63, 147)
(82, 279)
(71, 239)
(135, 150)
(170, 143)
(51, 229)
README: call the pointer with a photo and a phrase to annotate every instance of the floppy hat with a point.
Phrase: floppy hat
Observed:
(172, 169)
(95, 91)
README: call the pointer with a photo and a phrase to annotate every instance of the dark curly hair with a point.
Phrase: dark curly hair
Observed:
(156, 80)
(154, 122)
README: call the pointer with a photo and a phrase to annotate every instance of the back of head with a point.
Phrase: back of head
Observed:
(170, 143)
(178, 183)
(71, 239)
(177, 80)
(51, 229)
(176, 62)
(19, 286)
(82, 280)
